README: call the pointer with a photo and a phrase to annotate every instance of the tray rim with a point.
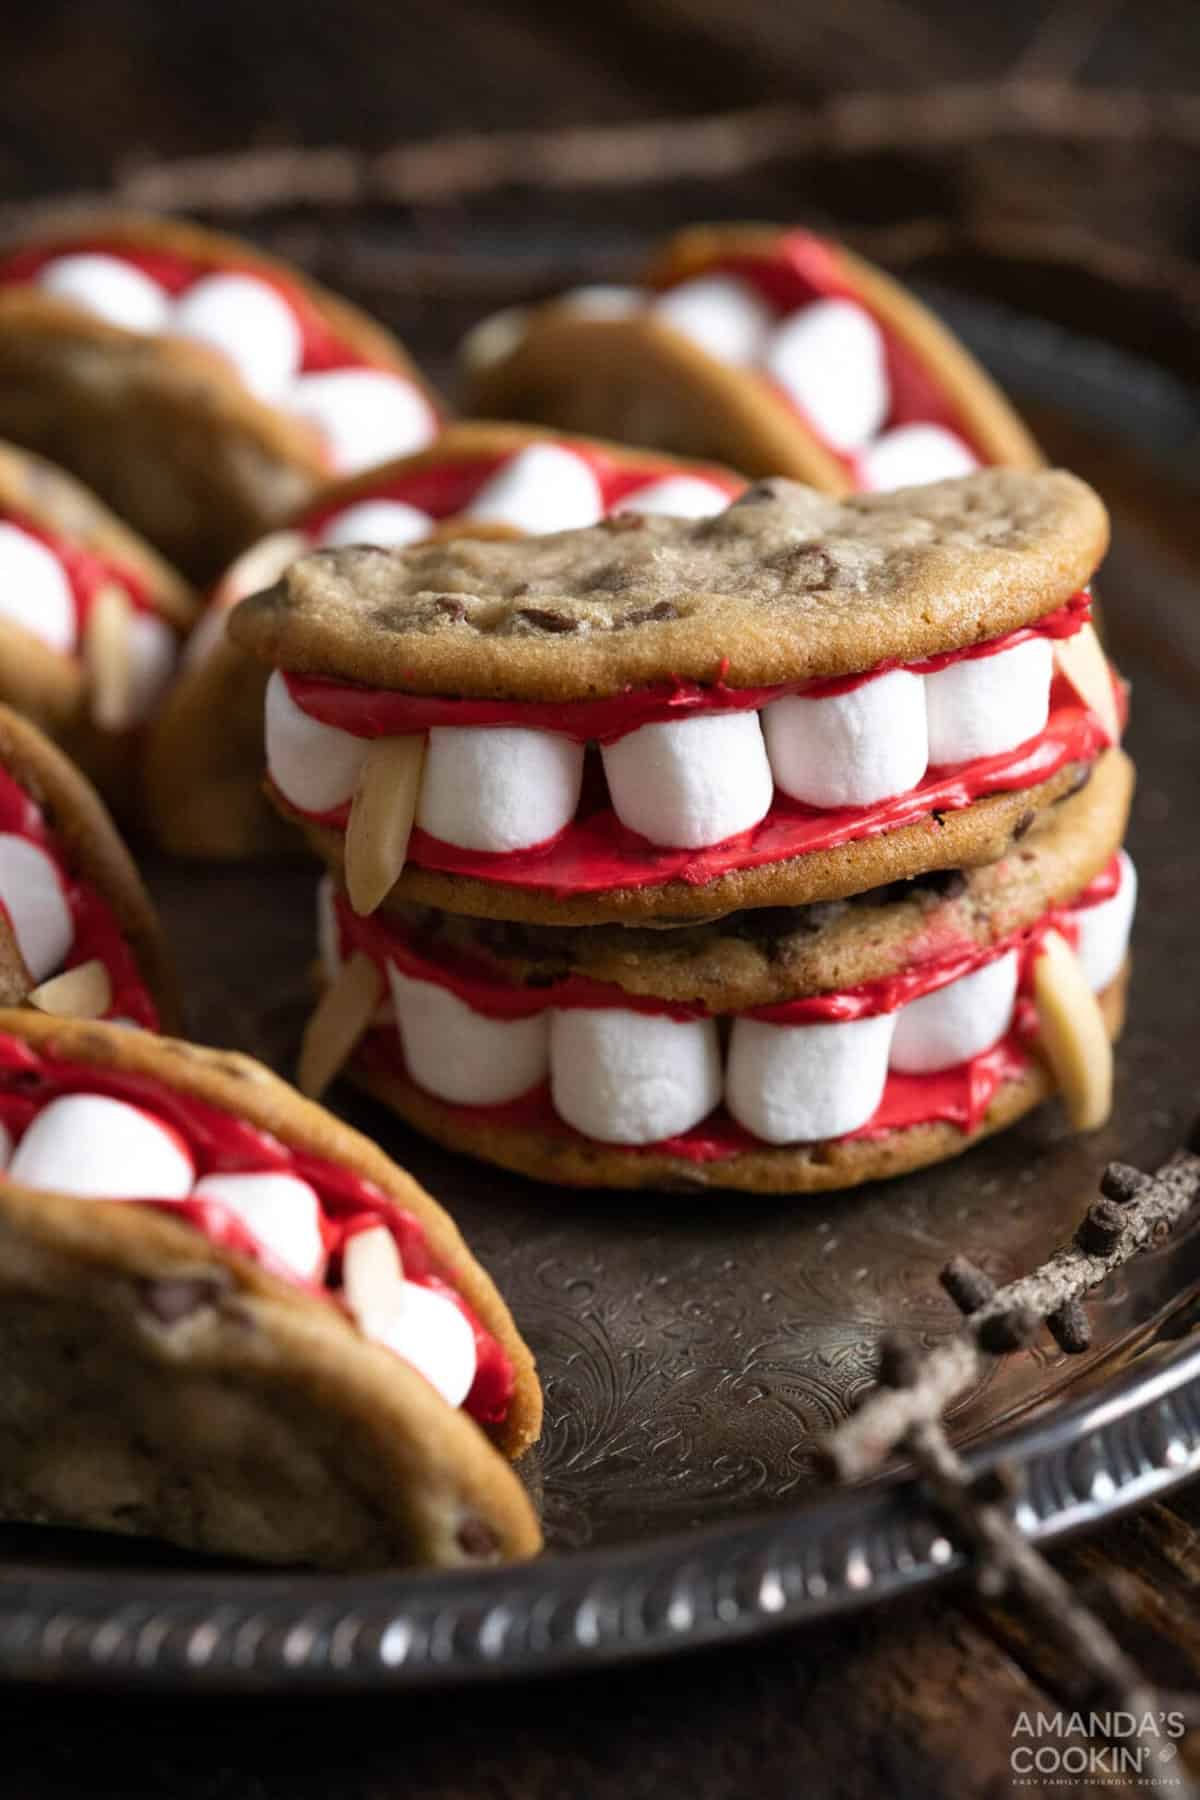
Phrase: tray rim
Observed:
(1082, 1462)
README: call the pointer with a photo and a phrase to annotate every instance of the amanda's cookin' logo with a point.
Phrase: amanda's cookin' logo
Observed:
(1101, 1748)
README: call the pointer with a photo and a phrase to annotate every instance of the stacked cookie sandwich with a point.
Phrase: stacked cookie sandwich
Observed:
(775, 849)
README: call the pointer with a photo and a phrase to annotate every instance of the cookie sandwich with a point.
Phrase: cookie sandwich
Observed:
(657, 720)
(91, 619)
(202, 388)
(782, 1050)
(78, 933)
(204, 784)
(231, 1322)
(774, 350)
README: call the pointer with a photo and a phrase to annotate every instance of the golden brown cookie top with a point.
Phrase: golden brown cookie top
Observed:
(785, 585)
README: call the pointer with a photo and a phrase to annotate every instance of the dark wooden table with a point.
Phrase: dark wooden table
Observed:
(1027, 177)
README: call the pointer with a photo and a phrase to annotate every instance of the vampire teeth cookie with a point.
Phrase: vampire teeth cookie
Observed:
(91, 619)
(276, 1346)
(652, 718)
(203, 389)
(204, 784)
(78, 933)
(777, 351)
(786, 1050)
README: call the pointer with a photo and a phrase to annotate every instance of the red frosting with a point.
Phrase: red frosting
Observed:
(959, 1096)
(220, 1143)
(175, 273)
(384, 712)
(86, 571)
(800, 268)
(98, 934)
(445, 489)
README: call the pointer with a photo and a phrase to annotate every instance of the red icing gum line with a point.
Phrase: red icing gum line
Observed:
(221, 1143)
(97, 932)
(86, 572)
(959, 1096)
(443, 490)
(378, 712)
(478, 985)
(322, 347)
(801, 268)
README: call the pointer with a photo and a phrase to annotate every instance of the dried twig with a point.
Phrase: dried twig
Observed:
(1136, 1211)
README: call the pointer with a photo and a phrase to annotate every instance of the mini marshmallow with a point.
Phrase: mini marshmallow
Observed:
(114, 290)
(364, 415)
(385, 523)
(34, 590)
(850, 749)
(603, 300)
(461, 1055)
(498, 787)
(958, 1021)
(152, 647)
(314, 766)
(798, 1084)
(830, 360)
(280, 1210)
(983, 705)
(1103, 939)
(691, 781)
(624, 1077)
(720, 313)
(542, 488)
(912, 456)
(31, 893)
(248, 322)
(424, 1327)
(102, 1149)
(680, 496)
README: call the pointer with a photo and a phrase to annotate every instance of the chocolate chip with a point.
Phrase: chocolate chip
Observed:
(476, 1538)
(774, 487)
(651, 614)
(1008, 1330)
(177, 1297)
(1101, 1228)
(449, 607)
(967, 1284)
(1022, 825)
(1071, 1327)
(1122, 1182)
(546, 619)
(626, 521)
(899, 1364)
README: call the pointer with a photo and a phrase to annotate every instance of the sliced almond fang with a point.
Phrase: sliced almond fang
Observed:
(108, 657)
(381, 819)
(84, 992)
(343, 1013)
(1072, 1033)
(1083, 662)
(260, 566)
(372, 1275)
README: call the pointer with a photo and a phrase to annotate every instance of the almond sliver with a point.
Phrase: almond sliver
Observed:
(108, 658)
(1083, 662)
(84, 992)
(344, 1012)
(372, 1274)
(1073, 1036)
(381, 819)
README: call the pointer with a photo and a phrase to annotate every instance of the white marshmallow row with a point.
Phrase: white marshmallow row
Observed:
(829, 358)
(95, 1147)
(36, 595)
(620, 1076)
(364, 415)
(689, 782)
